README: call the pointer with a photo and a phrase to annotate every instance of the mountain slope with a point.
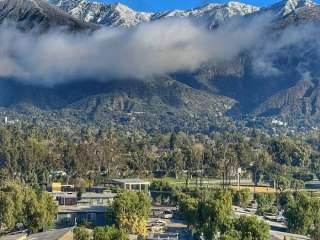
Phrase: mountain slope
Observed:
(159, 103)
(30, 14)
(290, 50)
(275, 78)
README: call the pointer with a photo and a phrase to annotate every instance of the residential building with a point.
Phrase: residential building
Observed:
(132, 184)
(87, 198)
(56, 234)
(73, 215)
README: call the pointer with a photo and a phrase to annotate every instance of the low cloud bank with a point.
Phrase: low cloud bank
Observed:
(161, 47)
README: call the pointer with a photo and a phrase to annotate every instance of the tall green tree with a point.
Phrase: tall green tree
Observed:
(21, 204)
(132, 211)
(300, 214)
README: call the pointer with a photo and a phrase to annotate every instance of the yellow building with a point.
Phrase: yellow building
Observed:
(56, 187)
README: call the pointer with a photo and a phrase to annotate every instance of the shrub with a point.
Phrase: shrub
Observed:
(80, 233)
(252, 228)
(266, 203)
(285, 198)
(242, 198)
(109, 233)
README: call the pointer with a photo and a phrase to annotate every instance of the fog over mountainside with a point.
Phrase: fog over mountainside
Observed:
(107, 64)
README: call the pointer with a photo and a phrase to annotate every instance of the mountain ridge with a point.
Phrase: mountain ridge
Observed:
(120, 15)
(203, 100)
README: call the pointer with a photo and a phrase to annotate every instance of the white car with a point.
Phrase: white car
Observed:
(167, 214)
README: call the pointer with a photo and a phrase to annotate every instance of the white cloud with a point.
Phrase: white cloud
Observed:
(150, 49)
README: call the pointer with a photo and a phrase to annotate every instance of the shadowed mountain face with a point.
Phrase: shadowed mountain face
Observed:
(278, 77)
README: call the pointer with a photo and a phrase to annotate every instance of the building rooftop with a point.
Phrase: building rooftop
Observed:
(21, 236)
(87, 195)
(133, 181)
(82, 209)
(50, 235)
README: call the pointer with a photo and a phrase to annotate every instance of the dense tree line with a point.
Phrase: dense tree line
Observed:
(32, 154)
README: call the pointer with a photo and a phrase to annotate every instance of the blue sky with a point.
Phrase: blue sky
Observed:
(162, 5)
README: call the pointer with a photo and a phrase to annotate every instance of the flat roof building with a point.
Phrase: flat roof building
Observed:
(73, 215)
(56, 234)
(87, 198)
(134, 184)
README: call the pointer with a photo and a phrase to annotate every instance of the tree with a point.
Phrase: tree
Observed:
(300, 214)
(132, 210)
(173, 141)
(315, 231)
(162, 192)
(266, 203)
(20, 204)
(252, 228)
(188, 207)
(33, 212)
(285, 198)
(242, 198)
(231, 235)
(7, 218)
(215, 214)
(208, 214)
(296, 184)
(80, 233)
(283, 183)
(211, 216)
(109, 233)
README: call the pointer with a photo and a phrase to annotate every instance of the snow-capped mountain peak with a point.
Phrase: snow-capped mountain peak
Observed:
(121, 15)
(286, 7)
(117, 14)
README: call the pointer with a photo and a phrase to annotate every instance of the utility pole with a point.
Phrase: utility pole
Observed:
(238, 174)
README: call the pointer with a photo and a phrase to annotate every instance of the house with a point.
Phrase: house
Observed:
(132, 184)
(56, 234)
(88, 198)
(73, 215)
